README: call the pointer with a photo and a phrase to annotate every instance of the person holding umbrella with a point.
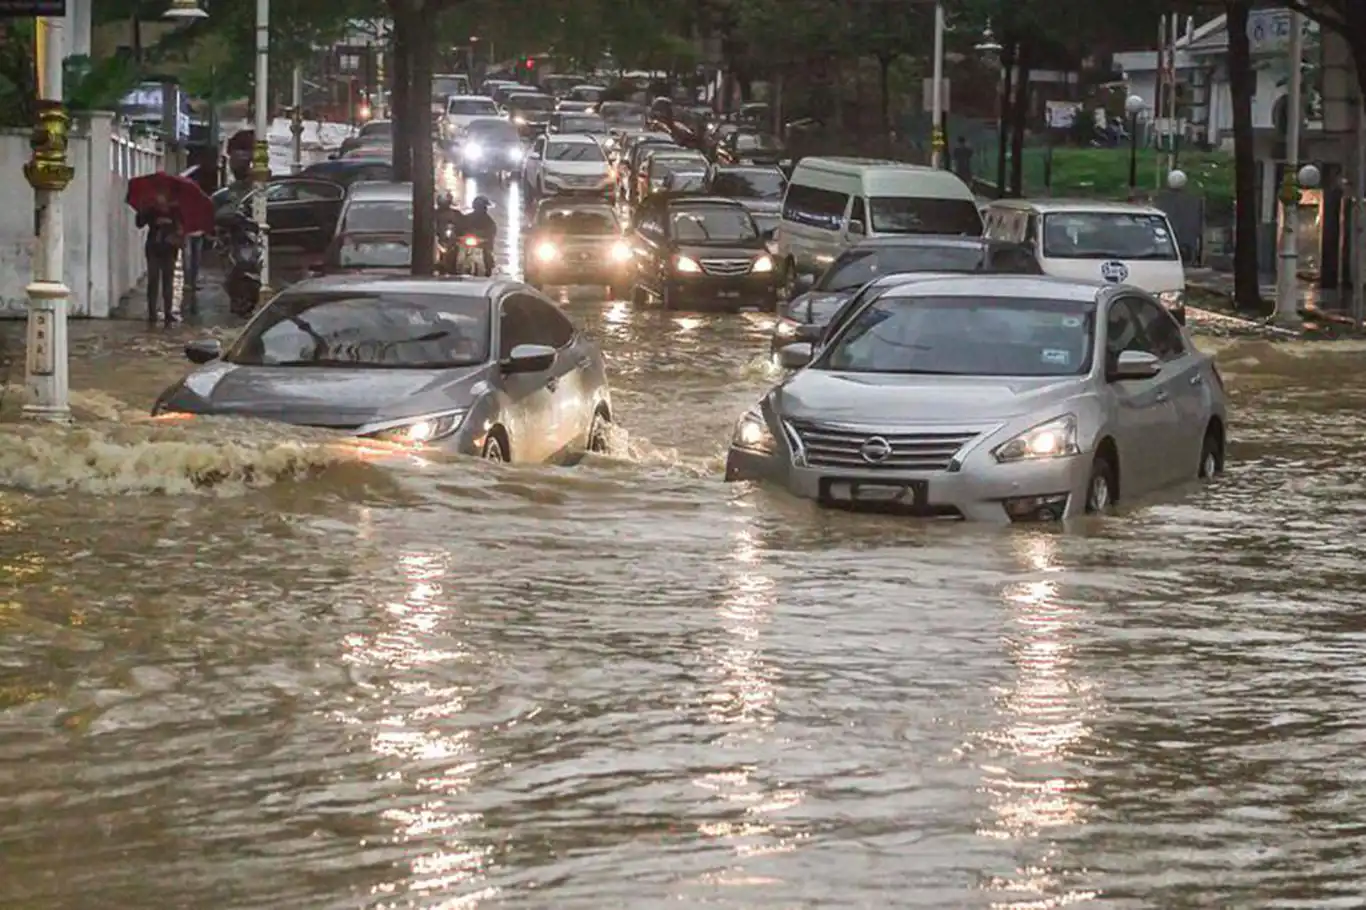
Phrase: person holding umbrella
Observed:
(170, 207)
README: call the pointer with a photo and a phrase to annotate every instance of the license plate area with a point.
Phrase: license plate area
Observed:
(901, 497)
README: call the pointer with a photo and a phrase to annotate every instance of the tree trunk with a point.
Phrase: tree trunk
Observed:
(1019, 117)
(884, 94)
(422, 50)
(400, 91)
(1247, 294)
(1003, 113)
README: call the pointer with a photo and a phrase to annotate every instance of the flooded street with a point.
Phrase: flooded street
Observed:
(245, 666)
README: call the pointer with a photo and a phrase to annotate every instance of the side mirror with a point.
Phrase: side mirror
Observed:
(803, 283)
(204, 350)
(1136, 365)
(857, 227)
(529, 358)
(809, 334)
(533, 156)
(795, 356)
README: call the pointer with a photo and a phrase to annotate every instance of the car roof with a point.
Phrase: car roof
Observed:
(381, 191)
(572, 139)
(1051, 206)
(573, 204)
(472, 98)
(696, 199)
(398, 284)
(732, 168)
(934, 240)
(1000, 287)
(374, 235)
(529, 93)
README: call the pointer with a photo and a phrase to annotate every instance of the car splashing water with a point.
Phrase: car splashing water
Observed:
(248, 666)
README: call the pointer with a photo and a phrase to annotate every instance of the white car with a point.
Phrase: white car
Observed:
(571, 163)
(461, 110)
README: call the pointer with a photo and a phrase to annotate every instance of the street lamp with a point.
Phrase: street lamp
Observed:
(185, 9)
(48, 173)
(1176, 180)
(1133, 106)
(937, 93)
(260, 158)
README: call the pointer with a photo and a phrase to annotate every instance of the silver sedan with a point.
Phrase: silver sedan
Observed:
(993, 398)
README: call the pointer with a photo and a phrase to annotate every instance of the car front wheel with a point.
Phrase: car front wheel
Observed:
(1100, 489)
(493, 450)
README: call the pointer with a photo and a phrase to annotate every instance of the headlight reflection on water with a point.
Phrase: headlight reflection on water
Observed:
(1044, 716)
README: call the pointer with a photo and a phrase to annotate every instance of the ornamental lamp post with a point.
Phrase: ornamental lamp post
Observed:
(48, 173)
(260, 158)
(1133, 106)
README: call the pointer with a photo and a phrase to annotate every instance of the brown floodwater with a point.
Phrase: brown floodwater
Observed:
(246, 667)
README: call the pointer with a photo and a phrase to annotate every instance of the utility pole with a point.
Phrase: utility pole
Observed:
(296, 125)
(937, 142)
(48, 173)
(260, 159)
(1287, 275)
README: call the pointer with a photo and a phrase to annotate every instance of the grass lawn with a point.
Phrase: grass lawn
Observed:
(1104, 173)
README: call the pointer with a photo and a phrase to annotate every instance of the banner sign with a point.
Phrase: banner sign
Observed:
(14, 9)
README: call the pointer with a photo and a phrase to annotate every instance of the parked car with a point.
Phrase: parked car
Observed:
(700, 251)
(368, 252)
(566, 165)
(347, 171)
(814, 303)
(483, 367)
(576, 242)
(990, 397)
(302, 211)
(374, 130)
(492, 148)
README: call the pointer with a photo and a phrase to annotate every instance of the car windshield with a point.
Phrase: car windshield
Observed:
(755, 142)
(467, 107)
(583, 124)
(663, 164)
(373, 253)
(922, 215)
(749, 184)
(532, 103)
(449, 85)
(366, 331)
(574, 151)
(622, 113)
(1107, 235)
(858, 267)
(966, 336)
(584, 221)
(687, 181)
(380, 216)
(499, 131)
(712, 224)
(588, 92)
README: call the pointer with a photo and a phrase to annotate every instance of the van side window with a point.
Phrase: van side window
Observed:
(858, 213)
(814, 207)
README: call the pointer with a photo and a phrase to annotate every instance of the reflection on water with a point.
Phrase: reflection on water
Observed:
(249, 667)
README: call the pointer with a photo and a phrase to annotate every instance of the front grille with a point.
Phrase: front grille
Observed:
(725, 266)
(838, 447)
(596, 180)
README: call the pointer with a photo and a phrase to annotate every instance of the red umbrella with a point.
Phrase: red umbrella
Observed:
(196, 210)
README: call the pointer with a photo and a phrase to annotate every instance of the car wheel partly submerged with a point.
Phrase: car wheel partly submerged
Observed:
(599, 435)
(1211, 455)
(1100, 489)
(493, 450)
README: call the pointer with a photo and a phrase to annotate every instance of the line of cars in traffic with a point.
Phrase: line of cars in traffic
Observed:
(936, 367)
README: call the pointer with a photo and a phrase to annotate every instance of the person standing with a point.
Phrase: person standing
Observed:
(164, 240)
(962, 160)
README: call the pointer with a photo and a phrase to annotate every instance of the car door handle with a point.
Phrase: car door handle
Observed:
(1197, 379)
(1161, 396)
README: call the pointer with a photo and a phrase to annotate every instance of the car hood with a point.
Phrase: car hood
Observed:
(882, 399)
(721, 251)
(533, 116)
(817, 307)
(323, 397)
(576, 168)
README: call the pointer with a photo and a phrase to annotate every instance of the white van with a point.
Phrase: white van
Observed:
(833, 203)
(1097, 241)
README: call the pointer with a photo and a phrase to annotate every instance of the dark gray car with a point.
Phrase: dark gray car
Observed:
(484, 367)
(814, 304)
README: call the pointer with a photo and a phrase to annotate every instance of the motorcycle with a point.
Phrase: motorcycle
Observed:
(240, 242)
(469, 257)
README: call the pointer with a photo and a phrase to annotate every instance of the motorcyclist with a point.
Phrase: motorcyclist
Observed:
(450, 226)
(481, 224)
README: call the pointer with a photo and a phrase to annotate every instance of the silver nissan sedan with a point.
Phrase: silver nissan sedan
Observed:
(991, 398)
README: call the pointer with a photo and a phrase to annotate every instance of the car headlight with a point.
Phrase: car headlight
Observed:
(621, 251)
(687, 264)
(1055, 439)
(763, 264)
(516, 155)
(1172, 300)
(473, 151)
(546, 251)
(753, 435)
(519, 120)
(786, 328)
(416, 430)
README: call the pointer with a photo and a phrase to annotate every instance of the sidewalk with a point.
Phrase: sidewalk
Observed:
(1326, 314)
(208, 306)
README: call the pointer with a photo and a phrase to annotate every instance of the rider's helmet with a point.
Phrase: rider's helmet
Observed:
(445, 201)
(481, 204)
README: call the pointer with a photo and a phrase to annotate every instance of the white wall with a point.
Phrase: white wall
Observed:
(103, 255)
(1144, 84)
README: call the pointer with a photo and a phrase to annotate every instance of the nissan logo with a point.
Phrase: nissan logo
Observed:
(875, 450)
